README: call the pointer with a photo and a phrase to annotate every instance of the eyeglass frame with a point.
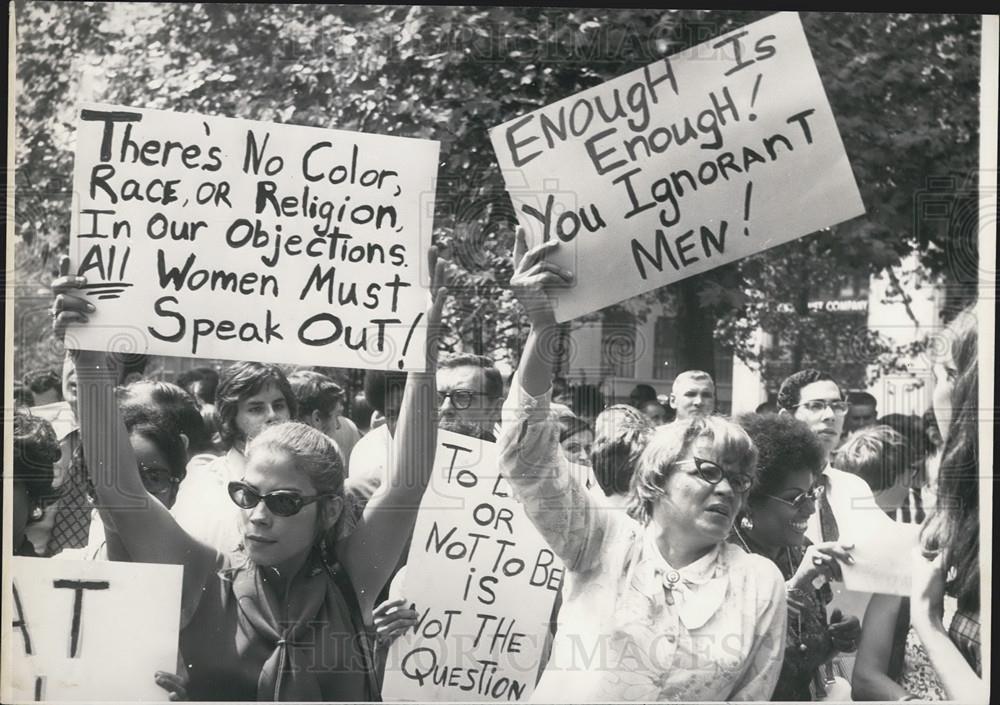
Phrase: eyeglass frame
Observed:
(699, 462)
(454, 402)
(797, 503)
(826, 405)
(305, 500)
(172, 481)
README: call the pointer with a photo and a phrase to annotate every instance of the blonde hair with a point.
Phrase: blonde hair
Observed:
(672, 443)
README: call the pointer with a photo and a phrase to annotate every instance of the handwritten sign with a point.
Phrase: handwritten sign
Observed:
(224, 238)
(483, 582)
(883, 561)
(92, 630)
(696, 160)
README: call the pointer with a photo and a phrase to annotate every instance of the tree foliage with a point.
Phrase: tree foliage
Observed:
(903, 89)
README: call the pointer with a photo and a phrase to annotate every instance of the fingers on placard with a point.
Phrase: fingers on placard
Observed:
(64, 265)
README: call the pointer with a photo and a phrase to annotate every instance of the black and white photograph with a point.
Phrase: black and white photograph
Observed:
(439, 353)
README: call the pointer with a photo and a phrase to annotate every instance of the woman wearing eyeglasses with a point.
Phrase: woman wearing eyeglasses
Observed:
(668, 608)
(773, 524)
(288, 615)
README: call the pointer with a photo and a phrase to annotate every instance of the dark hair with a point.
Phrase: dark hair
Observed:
(788, 394)
(955, 529)
(862, 399)
(168, 443)
(877, 454)
(784, 444)
(572, 425)
(41, 381)
(379, 384)
(361, 412)
(36, 451)
(587, 400)
(209, 378)
(642, 393)
(620, 435)
(167, 405)
(22, 395)
(494, 380)
(240, 381)
(929, 420)
(911, 428)
(767, 407)
(131, 363)
(315, 391)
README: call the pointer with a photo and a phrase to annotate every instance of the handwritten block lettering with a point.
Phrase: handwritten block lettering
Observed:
(484, 582)
(214, 237)
(699, 159)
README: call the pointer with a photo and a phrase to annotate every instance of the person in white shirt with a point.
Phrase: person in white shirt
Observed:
(251, 397)
(675, 611)
(846, 510)
(370, 458)
(692, 394)
(320, 405)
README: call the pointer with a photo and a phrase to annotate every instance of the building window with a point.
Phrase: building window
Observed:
(618, 344)
(665, 365)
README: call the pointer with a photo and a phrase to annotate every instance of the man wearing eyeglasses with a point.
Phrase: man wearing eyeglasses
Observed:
(470, 394)
(847, 504)
(814, 397)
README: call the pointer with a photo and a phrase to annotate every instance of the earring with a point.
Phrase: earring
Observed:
(746, 523)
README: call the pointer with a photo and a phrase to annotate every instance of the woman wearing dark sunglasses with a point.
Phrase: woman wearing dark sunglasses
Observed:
(773, 524)
(675, 612)
(287, 616)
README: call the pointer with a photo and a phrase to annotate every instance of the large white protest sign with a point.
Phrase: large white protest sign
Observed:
(92, 630)
(483, 582)
(225, 238)
(696, 160)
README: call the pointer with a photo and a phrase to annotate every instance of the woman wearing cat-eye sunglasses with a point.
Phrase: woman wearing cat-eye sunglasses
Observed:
(286, 617)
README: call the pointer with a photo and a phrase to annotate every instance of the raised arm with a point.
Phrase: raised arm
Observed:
(148, 533)
(371, 552)
(561, 508)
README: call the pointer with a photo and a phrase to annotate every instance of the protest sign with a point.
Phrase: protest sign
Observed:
(884, 565)
(483, 582)
(92, 630)
(698, 159)
(213, 237)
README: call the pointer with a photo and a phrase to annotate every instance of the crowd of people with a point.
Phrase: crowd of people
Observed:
(704, 554)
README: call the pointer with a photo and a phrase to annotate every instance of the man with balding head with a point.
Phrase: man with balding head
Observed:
(693, 394)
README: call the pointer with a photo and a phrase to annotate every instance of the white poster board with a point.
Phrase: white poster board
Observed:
(483, 582)
(92, 631)
(883, 561)
(698, 159)
(214, 237)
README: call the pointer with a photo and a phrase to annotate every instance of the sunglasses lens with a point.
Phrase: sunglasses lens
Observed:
(284, 504)
(243, 496)
(462, 399)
